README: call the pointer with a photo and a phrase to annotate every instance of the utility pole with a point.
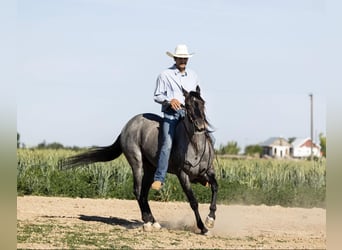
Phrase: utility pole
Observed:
(311, 125)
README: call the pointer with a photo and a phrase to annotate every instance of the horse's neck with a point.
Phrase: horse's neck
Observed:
(188, 138)
(194, 150)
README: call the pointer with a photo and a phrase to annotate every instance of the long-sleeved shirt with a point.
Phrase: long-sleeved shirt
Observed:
(169, 85)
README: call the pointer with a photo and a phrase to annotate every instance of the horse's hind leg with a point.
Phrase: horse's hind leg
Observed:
(142, 178)
(185, 183)
(139, 185)
(147, 180)
(150, 222)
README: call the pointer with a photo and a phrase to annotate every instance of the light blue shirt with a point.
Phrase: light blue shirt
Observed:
(169, 85)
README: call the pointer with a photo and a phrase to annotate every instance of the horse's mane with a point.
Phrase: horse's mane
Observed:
(197, 95)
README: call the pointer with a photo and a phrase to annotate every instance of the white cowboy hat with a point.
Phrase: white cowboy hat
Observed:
(180, 51)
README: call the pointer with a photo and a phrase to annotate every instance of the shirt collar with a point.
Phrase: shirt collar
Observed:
(177, 72)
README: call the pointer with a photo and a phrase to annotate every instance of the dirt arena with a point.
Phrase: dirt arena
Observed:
(55, 223)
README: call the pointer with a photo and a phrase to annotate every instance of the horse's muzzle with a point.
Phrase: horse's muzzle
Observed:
(199, 126)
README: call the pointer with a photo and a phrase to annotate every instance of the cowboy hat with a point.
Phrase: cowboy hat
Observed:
(180, 51)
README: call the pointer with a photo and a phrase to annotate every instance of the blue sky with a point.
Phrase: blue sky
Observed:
(86, 67)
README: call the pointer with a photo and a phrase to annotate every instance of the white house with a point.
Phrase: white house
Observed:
(301, 148)
(276, 147)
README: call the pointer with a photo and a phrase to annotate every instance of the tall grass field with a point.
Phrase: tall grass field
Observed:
(299, 183)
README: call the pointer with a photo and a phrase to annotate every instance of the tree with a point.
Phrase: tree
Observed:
(54, 145)
(231, 148)
(41, 145)
(253, 150)
(18, 140)
(323, 144)
(291, 139)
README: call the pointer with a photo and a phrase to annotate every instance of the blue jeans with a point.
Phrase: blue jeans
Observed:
(168, 131)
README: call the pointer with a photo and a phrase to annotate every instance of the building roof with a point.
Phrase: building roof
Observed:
(275, 141)
(300, 142)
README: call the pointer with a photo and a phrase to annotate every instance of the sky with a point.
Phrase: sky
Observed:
(85, 67)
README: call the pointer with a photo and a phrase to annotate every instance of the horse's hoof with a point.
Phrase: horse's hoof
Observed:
(156, 226)
(204, 231)
(149, 227)
(209, 222)
(207, 233)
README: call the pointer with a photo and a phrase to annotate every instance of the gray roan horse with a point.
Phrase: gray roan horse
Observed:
(191, 156)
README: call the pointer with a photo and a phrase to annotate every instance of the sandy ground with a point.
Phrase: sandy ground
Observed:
(236, 226)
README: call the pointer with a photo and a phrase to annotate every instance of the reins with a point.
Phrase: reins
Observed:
(192, 142)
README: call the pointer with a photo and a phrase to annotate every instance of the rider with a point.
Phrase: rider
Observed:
(169, 94)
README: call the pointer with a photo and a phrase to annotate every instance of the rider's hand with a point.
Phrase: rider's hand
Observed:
(175, 104)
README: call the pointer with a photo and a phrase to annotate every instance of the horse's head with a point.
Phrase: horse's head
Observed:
(195, 109)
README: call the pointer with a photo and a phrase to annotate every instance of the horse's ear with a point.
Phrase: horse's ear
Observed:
(198, 89)
(185, 93)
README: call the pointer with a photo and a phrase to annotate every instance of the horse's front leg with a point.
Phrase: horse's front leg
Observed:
(214, 188)
(185, 183)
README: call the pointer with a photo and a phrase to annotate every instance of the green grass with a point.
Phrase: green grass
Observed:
(250, 181)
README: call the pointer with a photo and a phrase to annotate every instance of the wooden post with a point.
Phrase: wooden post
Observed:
(311, 125)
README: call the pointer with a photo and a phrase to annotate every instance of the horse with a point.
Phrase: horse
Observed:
(191, 158)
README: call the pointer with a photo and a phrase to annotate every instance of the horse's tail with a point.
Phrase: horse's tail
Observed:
(97, 154)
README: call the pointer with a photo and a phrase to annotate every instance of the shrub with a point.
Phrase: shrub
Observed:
(258, 181)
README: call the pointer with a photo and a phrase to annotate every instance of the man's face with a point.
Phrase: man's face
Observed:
(181, 63)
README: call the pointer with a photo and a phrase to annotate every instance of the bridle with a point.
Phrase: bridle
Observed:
(202, 155)
(196, 131)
